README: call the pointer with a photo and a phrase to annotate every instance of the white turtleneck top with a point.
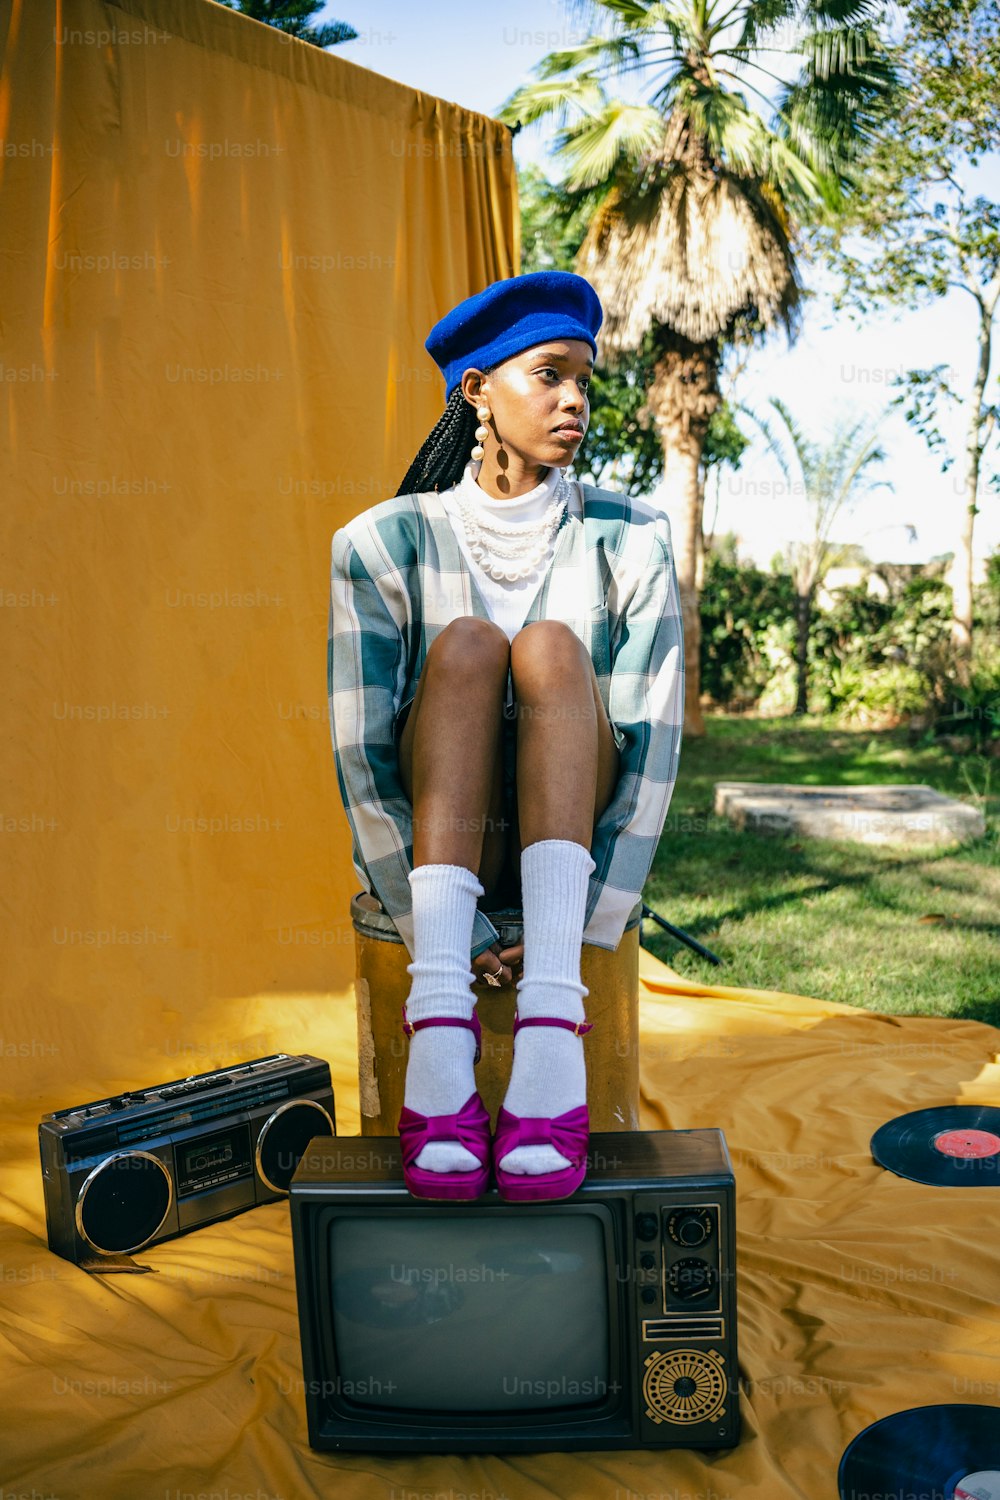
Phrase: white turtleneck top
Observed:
(508, 603)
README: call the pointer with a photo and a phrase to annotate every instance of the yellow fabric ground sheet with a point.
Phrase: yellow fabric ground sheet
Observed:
(859, 1293)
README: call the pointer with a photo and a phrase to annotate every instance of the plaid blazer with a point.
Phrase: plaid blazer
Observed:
(398, 577)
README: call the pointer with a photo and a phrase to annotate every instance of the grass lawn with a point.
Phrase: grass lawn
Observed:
(891, 928)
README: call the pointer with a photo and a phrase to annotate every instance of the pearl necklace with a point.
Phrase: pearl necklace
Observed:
(518, 548)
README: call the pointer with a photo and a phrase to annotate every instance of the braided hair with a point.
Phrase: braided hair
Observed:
(442, 458)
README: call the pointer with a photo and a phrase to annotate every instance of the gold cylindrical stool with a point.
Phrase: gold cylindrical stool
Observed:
(381, 987)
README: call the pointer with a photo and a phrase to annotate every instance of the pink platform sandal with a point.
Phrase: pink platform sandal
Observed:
(569, 1134)
(470, 1128)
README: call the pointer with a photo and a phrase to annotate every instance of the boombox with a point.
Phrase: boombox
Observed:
(124, 1172)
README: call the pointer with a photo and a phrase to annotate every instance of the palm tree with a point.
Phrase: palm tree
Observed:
(831, 478)
(693, 198)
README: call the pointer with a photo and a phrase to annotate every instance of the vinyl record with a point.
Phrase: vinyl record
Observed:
(957, 1145)
(926, 1453)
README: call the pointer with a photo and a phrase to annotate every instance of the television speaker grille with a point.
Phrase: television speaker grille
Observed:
(686, 1385)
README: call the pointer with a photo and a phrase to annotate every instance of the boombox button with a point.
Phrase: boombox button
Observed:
(648, 1294)
(647, 1260)
(647, 1226)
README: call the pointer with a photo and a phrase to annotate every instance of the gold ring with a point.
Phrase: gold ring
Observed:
(494, 979)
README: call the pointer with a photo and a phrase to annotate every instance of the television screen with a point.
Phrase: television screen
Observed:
(472, 1312)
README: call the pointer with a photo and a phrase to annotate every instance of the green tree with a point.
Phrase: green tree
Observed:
(915, 229)
(294, 18)
(692, 199)
(830, 478)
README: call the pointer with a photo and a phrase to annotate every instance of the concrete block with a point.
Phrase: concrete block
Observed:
(892, 814)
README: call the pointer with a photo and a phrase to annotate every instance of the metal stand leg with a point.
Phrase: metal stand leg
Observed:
(677, 932)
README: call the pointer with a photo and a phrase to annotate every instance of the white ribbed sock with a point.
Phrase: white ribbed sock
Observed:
(440, 1073)
(549, 1074)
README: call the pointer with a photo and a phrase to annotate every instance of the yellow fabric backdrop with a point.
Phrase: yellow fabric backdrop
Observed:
(225, 251)
(222, 252)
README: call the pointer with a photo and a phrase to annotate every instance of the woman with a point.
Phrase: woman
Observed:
(506, 698)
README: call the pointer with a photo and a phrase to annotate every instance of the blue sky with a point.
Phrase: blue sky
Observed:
(476, 56)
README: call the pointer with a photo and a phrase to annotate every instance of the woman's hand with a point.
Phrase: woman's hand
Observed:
(510, 960)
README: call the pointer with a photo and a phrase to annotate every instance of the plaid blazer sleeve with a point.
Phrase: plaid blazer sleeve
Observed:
(646, 710)
(365, 678)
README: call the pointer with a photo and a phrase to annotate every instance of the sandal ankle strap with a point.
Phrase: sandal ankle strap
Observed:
(473, 1025)
(578, 1028)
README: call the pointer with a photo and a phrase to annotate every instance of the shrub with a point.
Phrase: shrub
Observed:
(777, 645)
(875, 696)
(973, 709)
(872, 660)
(875, 661)
(739, 605)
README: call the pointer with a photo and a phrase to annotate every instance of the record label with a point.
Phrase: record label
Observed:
(967, 1143)
(957, 1145)
(982, 1486)
(927, 1453)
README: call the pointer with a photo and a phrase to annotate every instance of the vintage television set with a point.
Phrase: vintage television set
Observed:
(604, 1321)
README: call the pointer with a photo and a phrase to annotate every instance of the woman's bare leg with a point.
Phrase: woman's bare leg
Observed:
(567, 769)
(448, 757)
(567, 759)
(449, 751)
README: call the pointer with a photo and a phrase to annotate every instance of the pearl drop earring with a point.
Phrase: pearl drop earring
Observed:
(482, 433)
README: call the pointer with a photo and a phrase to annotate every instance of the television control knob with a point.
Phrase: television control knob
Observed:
(691, 1279)
(689, 1226)
(647, 1226)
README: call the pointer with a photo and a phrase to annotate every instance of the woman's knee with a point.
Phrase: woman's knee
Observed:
(549, 646)
(469, 643)
(542, 637)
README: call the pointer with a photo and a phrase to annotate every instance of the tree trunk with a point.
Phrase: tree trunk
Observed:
(961, 579)
(682, 396)
(681, 497)
(961, 570)
(803, 614)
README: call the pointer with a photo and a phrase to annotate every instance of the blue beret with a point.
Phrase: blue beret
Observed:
(510, 316)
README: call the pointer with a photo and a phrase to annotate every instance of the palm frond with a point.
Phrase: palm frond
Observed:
(533, 101)
(763, 18)
(795, 178)
(629, 12)
(842, 12)
(774, 444)
(806, 450)
(613, 50)
(733, 133)
(598, 144)
(834, 109)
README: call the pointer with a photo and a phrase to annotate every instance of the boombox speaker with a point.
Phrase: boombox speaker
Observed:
(122, 1173)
